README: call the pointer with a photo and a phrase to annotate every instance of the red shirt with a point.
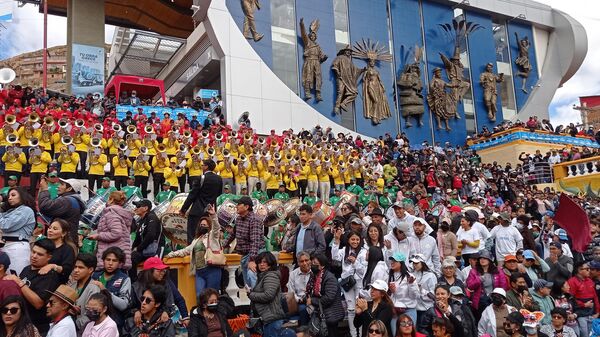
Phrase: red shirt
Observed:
(584, 290)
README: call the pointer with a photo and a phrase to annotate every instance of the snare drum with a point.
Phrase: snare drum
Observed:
(227, 212)
(161, 208)
(322, 213)
(175, 225)
(129, 204)
(291, 206)
(345, 197)
(93, 211)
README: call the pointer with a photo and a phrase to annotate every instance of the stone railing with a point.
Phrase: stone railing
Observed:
(187, 285)
(577, 168)
(539, 136)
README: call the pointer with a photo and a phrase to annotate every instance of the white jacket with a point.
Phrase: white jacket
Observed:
(487, 323)
(381, 272)
(358, 268)
(426, 283)
(397, 246)
(406, 294)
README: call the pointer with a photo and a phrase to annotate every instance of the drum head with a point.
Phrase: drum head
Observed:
(291, 206)
(174, 225)
(275, 212)
(227, 213)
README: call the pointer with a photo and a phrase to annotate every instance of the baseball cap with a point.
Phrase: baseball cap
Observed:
(245, 201)
(455, 290)
(455, 209)
(131, 177)
(398, 204)
(595, 265)
(449, 261)
(74, 183)
(12, 177)
(528, 255)
(556, 245)
(562, 234)
(106, 178)
(504, 216)
(398, 257)
(484, 254)
(499, 291)
(143, 203)
(4, 260)
(509, 258)
(227, 186)
(154, 262)
(166, 183)
(417, 258)
(515, 317)
(541, 283)
(380, 285)
(52, 175)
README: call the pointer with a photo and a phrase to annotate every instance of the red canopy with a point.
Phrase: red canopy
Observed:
(144, 86)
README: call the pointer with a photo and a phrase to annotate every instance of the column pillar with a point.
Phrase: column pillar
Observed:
(85, 26)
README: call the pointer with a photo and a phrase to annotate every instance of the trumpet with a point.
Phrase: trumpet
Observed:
(10, 119)
(328, 147)
(65, 154)
(33, 142)
(243, 158)
(234, 134)
(247, 136)
(33, 118)
(131, 129)
(298, 141)
(161, 148)
(261, 140)
(95, 142)
(98, 127)
(144, 150)
(196, 150)
(187, 134)
(288, 157)
(274, 143)
(183, 148)
(211, 151)
(287, 141)
(336, 149)
(48, 121)
(219, 136)
(204, 134)
(324, 139)
(318, 147)
(66, 140)
(116, 127)
(313, 157)
(63, 123)
(226, 153)
(277, 156)
(79, 123)
(149, 129)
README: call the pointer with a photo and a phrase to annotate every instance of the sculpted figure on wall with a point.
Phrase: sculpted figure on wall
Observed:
(455, 72)
(488, 81)
(249, 7)
(313, 57)
(346, 76)
(523, 60)
(375, 102)
(441, 102)
(410, 89)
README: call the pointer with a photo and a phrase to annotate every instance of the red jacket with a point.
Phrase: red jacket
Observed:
(584, 290)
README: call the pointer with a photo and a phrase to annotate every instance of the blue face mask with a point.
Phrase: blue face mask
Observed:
(530, 330)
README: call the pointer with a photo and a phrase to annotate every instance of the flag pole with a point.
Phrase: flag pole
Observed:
(45, 56)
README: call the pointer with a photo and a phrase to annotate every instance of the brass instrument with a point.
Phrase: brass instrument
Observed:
(28, 130)
(79, 123)
(116, 127)
(149, 129)
(35, 154)
(219, 136)
(204, 134)
(318, 147)
(226, 153)
(11, 150)
(66, 140)
(33, 118)
(196, 150)
(211, 151)
(234, 134)
(63, 123)
(287, 141)
(65, 154)
(162, 155)
(243, 158)
(144, 150)
(336, 149)
(49, 121)
(313, 157)
(93, 156)
(187, 134)
(261, 140)
(131, 129)
(183, 148)
(98, 127)
(328, 147)
(122, 158)
(10, 119)
(33, 142)
(324, 139)
(122, 146)
(274, 143)
(298, 142)
(247, 136)
(95, 142)
(288, 157)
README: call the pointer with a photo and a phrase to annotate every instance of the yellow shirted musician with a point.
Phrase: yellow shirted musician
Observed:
(194, 165)
(225, 168)
(121, 167)
(159, 163)
(68, 160)
(323, 174)
(172, 174)
(39, 159)
(97, 161)
(141, 169)
(13, 159)
(171, 144)
(28, 130)
(240, 174)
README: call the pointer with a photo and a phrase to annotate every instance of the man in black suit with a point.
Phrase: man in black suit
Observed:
(204, 192)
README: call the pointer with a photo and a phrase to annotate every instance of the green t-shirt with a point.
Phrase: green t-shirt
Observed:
(355, 189)
(455, 202)
(105, 192)
(131, 190)
(164, 196)
(53, 190)
(200, 254)
(384, 202)
(4, 190)
(260, 195)
(282, 196)
(334, 200)
(226, 196)
(310, 200)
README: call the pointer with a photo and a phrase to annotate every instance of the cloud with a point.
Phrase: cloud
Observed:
(26, 32)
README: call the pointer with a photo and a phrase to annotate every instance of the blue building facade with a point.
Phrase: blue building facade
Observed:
(400, 25)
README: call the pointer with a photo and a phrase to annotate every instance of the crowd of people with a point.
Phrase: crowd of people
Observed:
(413, 242)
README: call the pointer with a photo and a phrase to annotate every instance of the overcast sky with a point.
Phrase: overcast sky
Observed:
(25, 34)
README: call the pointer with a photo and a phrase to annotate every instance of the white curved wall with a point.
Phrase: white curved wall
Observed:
(250, 85)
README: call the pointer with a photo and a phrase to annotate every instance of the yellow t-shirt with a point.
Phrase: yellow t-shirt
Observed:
(98, 167)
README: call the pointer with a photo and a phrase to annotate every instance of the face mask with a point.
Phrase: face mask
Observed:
(93, 315)
(212, 307)
(521, 289)
(530, 331)
(202, 230)
(445, 228)
(497, 301)
(508, 330)
(519, 226)
(315, 270)
(535, 234)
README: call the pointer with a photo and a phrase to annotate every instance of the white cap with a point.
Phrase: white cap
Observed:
(74, 183)
(380, 285)
(499, 291)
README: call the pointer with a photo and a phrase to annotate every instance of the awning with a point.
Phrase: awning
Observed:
(145, 87)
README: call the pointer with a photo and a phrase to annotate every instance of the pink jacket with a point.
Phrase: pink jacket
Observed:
(114, 229)
(475, 286)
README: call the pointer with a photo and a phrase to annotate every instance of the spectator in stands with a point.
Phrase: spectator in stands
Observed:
(149, 319)
(561, 266)
(558, 326)
(63, 256)
(85, 264)
(518, 296)
(582, 288)
(425, 245)
(483, 280)
(377, 269)
(149, 240)
(115, 280)
(380, 307)
(98, 310)
(59, 309)
(17, 221)
(496, 312)
(68, 205)
(309, 235)
(15, 320)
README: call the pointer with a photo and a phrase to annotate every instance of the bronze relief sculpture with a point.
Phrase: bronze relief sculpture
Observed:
(249, 7)
(488, 81)
(441, 102)
(410, 89)
(375, 102)
(523, 60)
(313, 57)
(346, 76)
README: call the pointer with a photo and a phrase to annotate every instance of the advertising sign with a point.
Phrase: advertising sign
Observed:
(160, 112)
(208, 93)
(87, 75)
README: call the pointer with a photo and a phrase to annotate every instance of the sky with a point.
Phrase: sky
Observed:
(25, 34)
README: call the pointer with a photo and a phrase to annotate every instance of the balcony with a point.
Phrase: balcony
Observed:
(579, 176)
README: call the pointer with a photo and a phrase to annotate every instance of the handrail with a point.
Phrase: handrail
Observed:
(576, 168)
(514, 130)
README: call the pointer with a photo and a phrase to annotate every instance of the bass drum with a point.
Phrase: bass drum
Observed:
(93, 210)
(129, 204)
(275, 212)
(291, 207)
(175, 225)
(161, 208)
(322, 213)
(259, 209)
(227, 213)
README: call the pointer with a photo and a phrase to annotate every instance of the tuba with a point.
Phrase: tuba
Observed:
(98, 127)
(63, 123)
(277, 156)
(12, 138)
(116, 127)
(64, 151)
(149, 129)
(219, 136)
(261, 140)
(49, 121)
(187, 134)
(33, 118)
(95, 142)
(204, 134)
(33, 142)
